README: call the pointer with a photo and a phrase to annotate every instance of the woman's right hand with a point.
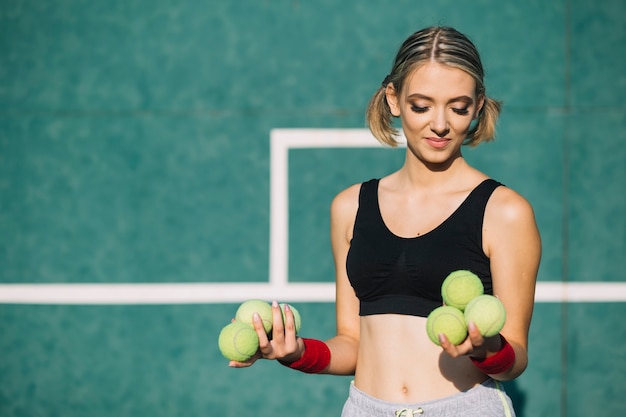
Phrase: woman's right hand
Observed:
(284, 345)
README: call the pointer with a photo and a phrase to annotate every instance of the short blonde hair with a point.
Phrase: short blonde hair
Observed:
(444, 45)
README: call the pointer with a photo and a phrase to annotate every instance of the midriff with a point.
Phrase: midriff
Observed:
(397, 362)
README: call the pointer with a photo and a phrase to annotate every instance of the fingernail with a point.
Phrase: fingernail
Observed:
(287, 307)
(256, 317)
(442, 338)
(471, 326)
(274, 303)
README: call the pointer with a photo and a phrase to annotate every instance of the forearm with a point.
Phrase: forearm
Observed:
(344, 351)
(337, 356)
(505, 364)
(520, 364)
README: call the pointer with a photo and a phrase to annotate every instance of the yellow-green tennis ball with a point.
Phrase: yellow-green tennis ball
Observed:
(460, 287)
(449, 321)
(247, 309)
(238, 341)
(297, 319)
(488, 313)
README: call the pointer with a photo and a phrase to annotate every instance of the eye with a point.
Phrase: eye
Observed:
(418, 109)
(461, 112)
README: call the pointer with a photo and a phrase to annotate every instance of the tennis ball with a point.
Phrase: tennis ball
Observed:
(247, 309)
(238, 341)
(296, 316)
(449, 321)
(488, 313)
(460, 287)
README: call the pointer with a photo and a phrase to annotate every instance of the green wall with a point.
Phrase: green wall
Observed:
(134, 148)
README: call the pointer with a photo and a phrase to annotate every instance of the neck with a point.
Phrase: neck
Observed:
(419, 173)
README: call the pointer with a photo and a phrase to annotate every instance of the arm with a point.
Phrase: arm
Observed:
(284, 344)
(511, 241)
(513, 244)
(344, 346)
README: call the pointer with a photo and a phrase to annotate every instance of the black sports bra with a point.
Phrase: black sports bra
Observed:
(392, 274)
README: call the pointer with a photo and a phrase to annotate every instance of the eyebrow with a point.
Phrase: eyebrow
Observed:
(464, 99)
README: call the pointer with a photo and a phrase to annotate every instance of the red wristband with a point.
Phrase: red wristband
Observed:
(315, 358)
(502, 361)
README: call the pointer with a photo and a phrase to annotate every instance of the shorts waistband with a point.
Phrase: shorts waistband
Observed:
(456, 404)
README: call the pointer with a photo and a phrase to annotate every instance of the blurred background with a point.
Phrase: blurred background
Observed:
(135, 148)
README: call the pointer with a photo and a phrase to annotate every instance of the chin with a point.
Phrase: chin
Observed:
(440, 161)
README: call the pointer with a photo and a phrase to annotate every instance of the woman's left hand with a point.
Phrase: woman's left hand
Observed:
(475, 345)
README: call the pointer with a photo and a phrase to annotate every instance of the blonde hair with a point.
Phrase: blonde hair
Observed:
(444, 45)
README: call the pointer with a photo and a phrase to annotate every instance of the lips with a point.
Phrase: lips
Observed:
(438, 142)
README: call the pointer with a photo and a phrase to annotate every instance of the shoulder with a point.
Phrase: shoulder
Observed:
(347, 200)
(508, 206)
(343, 211)
(509, 224)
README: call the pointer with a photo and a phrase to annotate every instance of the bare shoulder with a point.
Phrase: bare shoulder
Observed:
(343, 211)
(507, 207)
(509, 225)
(346, 201)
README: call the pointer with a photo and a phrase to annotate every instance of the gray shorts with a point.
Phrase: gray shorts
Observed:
(485, 400)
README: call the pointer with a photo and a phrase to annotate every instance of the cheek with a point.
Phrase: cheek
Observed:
(412, 126)
(461, 124)
(414, 121)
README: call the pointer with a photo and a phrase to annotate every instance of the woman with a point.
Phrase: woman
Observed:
(394, 241)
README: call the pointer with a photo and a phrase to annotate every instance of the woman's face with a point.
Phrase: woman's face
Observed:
(436, 107)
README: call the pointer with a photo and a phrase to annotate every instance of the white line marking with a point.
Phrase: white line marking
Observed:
(581, 292)
(166, 293)
(278, 287)
(216, 293)
(281, 140)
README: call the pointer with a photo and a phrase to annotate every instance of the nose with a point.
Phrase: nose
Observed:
(439, 125)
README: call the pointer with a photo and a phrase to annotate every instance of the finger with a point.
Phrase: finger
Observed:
(245, 364)
(475, 342)
(235, 364)
(463, 348)
(474, 335)
(447, 346)
(290, 321)
(264, 343)
(278, 329)
(291, 342)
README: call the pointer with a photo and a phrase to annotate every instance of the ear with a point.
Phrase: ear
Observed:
(479, 107)
(392, 99)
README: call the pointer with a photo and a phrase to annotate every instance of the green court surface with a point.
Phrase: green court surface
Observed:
(136, 154)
